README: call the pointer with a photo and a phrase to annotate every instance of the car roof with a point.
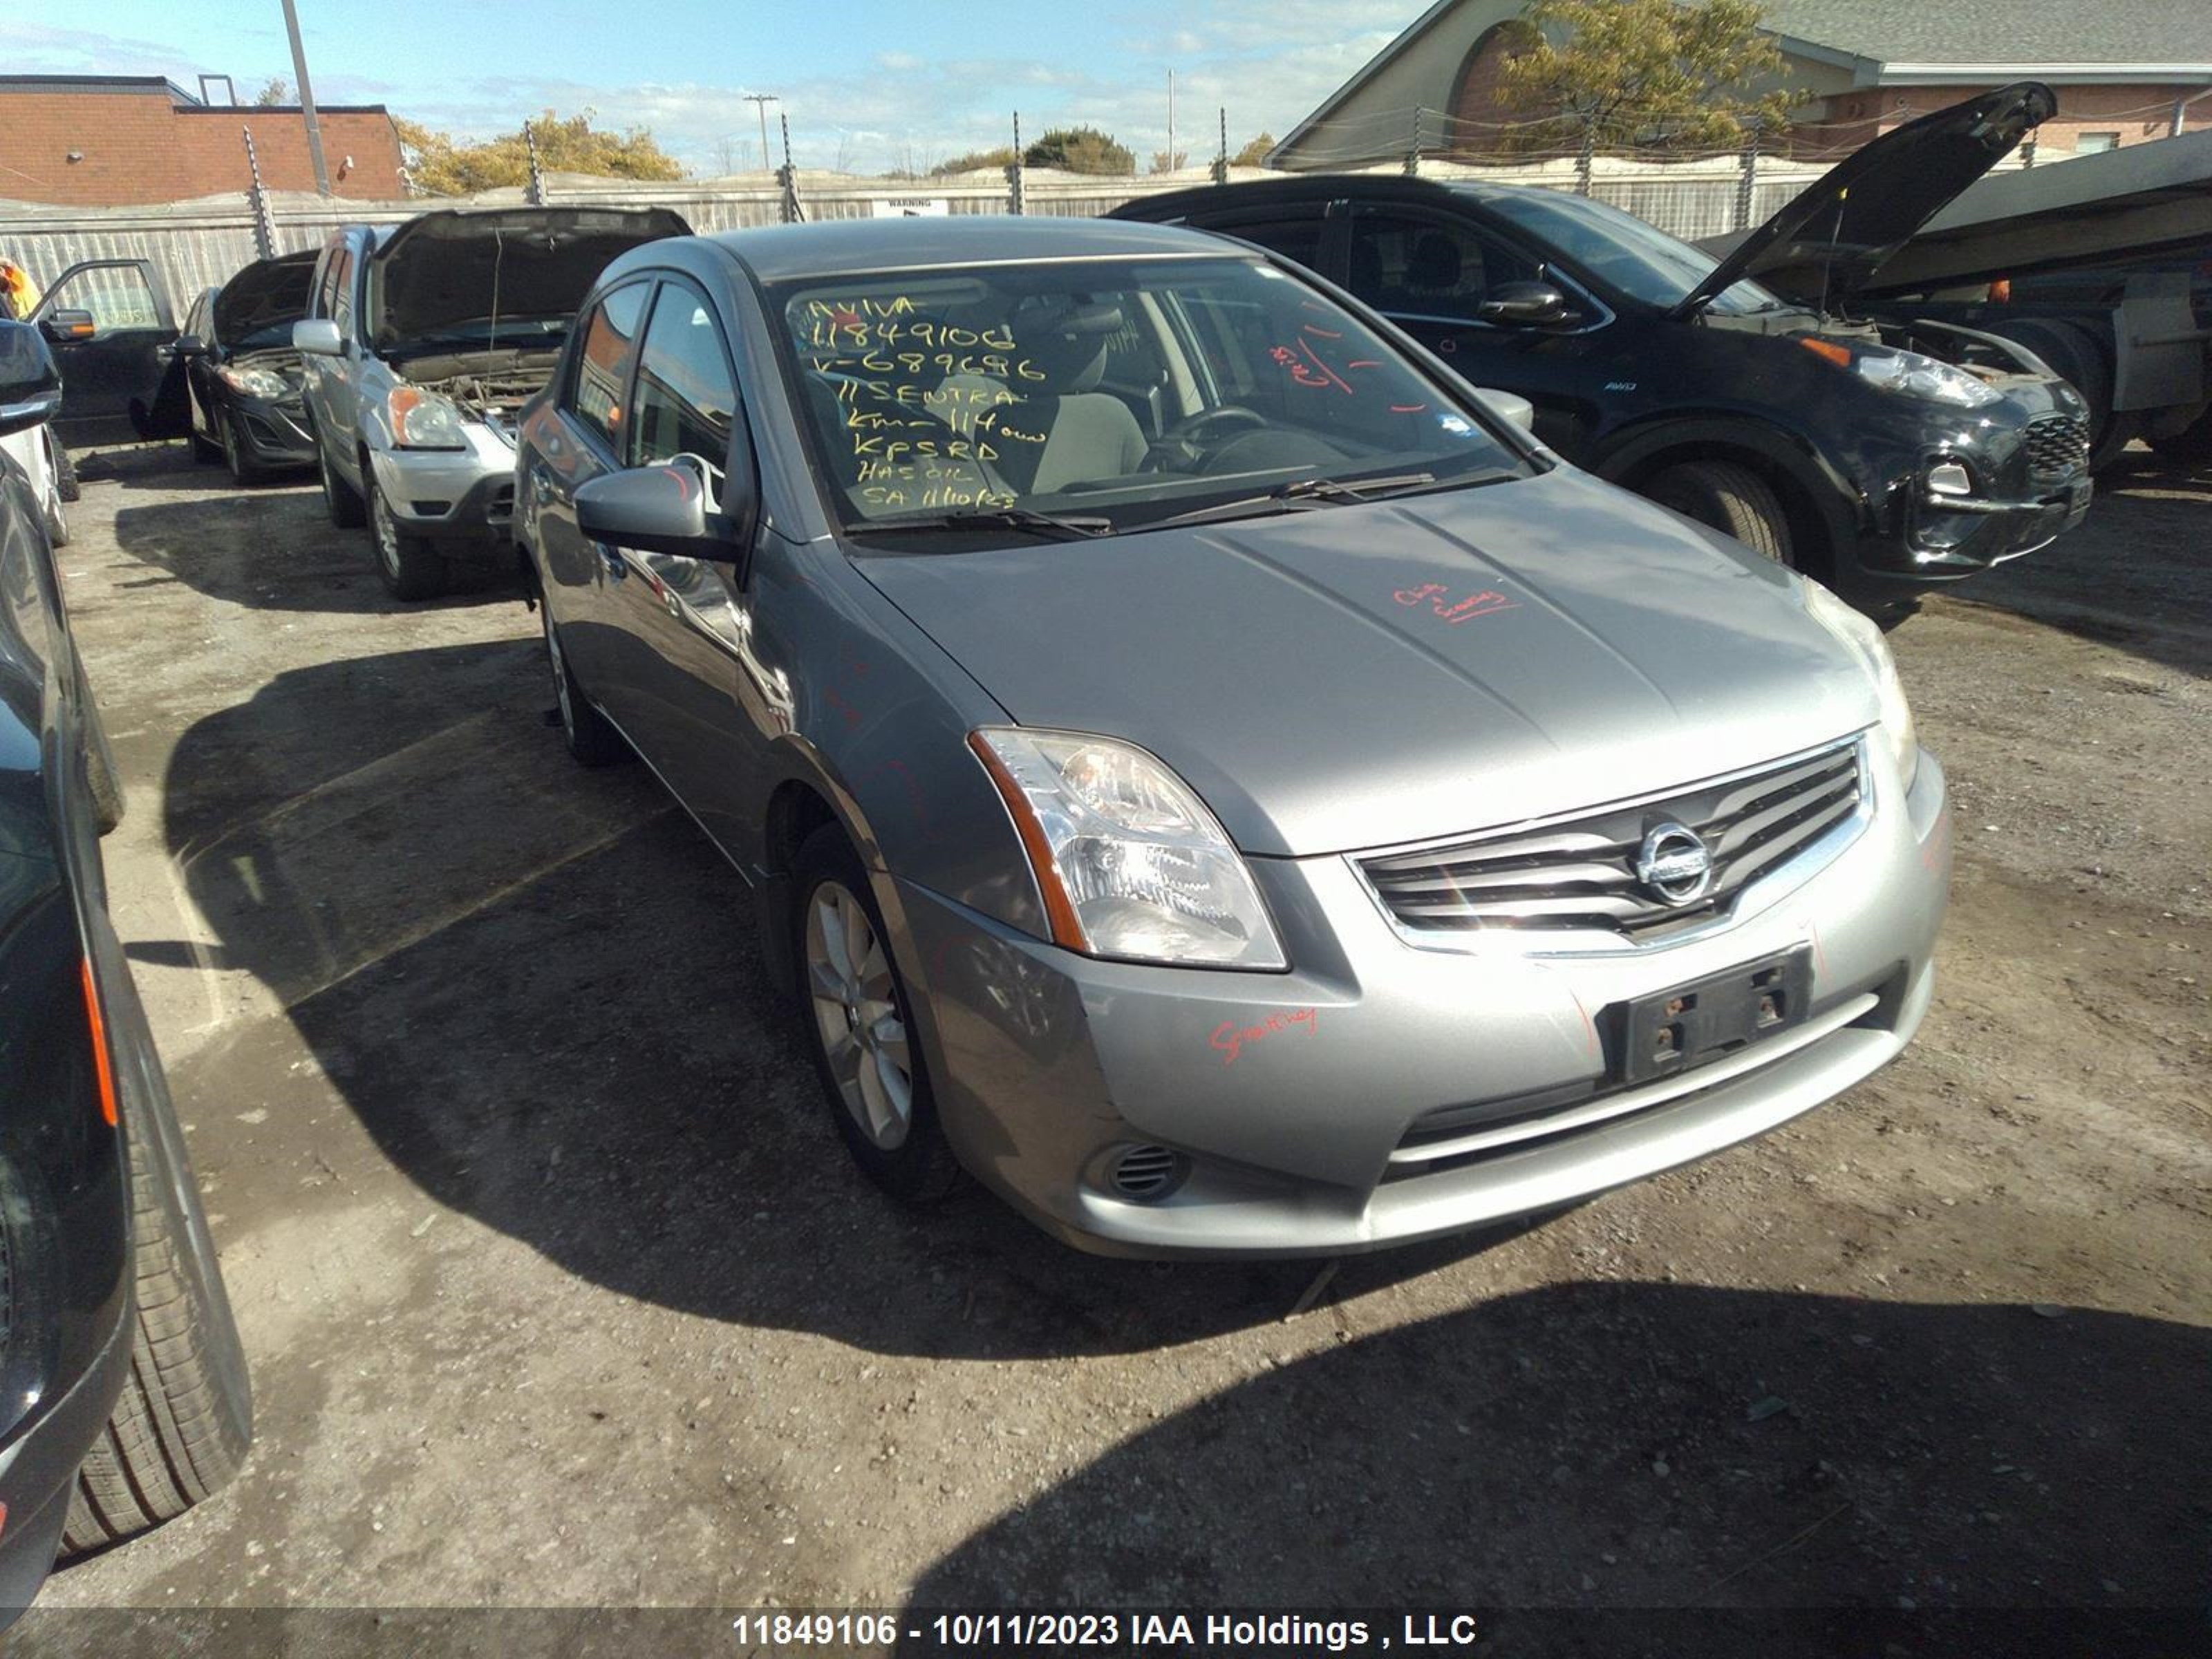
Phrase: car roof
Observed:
(854, 246)
(1326, 186)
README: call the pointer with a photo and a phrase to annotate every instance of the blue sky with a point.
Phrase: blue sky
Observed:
(868, 81)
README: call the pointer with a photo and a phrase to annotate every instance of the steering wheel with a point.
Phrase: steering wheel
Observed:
(1184, 446)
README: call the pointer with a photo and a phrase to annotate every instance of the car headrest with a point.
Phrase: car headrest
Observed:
(1434, 265)
(1068, 347)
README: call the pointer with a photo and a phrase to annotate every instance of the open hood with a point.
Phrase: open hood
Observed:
(453, 270)
(268, 293)
(1831, 238)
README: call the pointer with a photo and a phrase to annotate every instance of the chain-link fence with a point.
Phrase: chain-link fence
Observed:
(199, 244)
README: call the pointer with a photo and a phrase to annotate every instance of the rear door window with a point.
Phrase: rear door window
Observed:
(594, 396)
(686, 398)
(1296, 237)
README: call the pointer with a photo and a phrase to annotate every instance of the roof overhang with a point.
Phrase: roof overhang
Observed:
(1934, 74)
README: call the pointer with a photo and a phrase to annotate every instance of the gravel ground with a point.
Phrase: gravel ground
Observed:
(559, 1293)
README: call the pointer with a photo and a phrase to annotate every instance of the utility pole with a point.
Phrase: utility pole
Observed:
(1171, 154)
(306, 99)
(760, 101)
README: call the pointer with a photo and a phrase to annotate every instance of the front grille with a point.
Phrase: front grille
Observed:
(1579, 873)
(2058, 445)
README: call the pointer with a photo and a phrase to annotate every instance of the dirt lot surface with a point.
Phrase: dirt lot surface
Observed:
(560, 1292)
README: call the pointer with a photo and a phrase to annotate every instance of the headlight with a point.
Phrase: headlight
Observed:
(1130, 862)
(1908, 374)
(255, 382)
(1867, 644)
(423, 420)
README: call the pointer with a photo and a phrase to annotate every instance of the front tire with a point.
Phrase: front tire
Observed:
(860, 1027)
(411, 567)
(244, 469)
(182, 1424)
(340, 499)
(590, 737)
(1731, 499)
(64, 470)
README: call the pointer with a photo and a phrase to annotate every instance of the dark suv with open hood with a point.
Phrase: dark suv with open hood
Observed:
(1743, 393)
(241, 372)
(421, 341)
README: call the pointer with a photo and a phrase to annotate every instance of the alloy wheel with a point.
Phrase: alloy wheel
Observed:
(856, 1015)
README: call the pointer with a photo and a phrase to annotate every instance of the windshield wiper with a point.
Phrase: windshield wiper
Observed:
(1068, 527)
(1285, 496)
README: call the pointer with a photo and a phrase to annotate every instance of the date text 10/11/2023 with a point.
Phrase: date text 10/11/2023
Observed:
(1237, 1632)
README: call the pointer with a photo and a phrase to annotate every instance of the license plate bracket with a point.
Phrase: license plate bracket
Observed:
(1691, 1025)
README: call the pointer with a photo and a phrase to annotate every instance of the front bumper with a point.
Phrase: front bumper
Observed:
(462, 499)
(274, 433)
(37, 1471)
(1290, 1101)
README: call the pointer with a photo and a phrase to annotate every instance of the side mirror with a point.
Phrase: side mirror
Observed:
(1524, 305)
(189, 345)
(63, 323)
(1509, 406)
(318, 337)
(664, 509)
(30, 385)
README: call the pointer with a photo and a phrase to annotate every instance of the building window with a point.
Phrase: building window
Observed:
(2095, 143)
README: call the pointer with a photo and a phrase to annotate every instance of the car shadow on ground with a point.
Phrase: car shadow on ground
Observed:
(540, 990)
(170, 466)
(1649, 1446)
(271, 547)
(2134, 576)
(1599, 1469)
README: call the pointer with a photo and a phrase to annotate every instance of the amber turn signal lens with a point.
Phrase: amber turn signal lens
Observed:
(103, 1068)
(1059, 909)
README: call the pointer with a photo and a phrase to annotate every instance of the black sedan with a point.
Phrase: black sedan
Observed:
(123, 1398)
(242, 375)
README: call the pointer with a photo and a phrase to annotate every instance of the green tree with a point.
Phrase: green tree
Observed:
(1164, 163)
(1079, 149)
(445, 166)
(1003, 156)
(1255, 154)
(274, 91)
(1650, 73)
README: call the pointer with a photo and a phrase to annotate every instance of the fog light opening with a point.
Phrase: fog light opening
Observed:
(1144, 1174)
(1949, 478)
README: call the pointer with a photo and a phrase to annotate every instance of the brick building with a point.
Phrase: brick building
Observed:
(126, 140)
(2124, 71)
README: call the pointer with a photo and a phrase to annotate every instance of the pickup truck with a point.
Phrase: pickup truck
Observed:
(110, 327)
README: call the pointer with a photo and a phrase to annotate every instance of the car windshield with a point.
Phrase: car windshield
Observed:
(1108, 395)
(1616, 247)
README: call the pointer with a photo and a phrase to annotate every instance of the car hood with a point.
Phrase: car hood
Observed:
(1829, 241)
(266, 293)
(1304, 674)
(448, 269)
